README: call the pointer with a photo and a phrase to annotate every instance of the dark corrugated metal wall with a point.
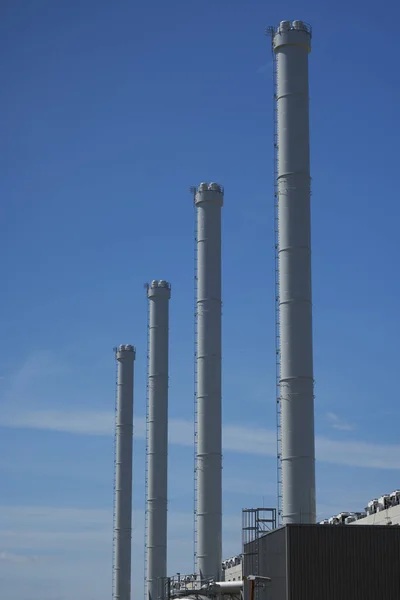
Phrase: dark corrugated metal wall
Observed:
(343, 562)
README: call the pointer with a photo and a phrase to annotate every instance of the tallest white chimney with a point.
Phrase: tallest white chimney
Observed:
(292, 44)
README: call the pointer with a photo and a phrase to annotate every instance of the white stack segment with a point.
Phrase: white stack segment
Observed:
(125, 356)
(209, 200)
(292, 44)
(158, 293)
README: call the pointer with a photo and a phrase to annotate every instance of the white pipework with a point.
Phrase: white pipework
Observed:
(227, 587)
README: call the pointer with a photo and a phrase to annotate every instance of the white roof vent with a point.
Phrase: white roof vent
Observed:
(299, 25)
(284, 26)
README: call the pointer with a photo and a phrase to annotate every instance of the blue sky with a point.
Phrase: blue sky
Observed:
(109, 111)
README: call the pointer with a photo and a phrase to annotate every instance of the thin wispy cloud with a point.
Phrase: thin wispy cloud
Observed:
(78, 544)
(33, 370)
(10, 557)
(46, 550)
(242, 439)
(249, 440)
(265, 69)
(338, 423)
(77, 422)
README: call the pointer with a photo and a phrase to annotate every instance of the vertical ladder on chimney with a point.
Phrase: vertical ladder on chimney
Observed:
(277, 298)
(115, 465)
(193, 191)
(146, 483)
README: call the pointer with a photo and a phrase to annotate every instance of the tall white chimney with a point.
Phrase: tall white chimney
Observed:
(125, 356)
(158, 293)
(292, 44)
(209, 201)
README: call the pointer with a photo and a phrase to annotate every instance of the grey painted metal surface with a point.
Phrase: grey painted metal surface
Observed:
(350, 563)
(292, 44)
(323, 562)
(270, 549)
(209, 200)
(158, 293)
(125, 356)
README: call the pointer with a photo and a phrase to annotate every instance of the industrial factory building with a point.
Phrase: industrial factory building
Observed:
(293, 555)
(317, 562)
(285, 555)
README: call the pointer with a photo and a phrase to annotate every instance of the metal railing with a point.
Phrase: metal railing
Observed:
(256, 522)
(193, 190)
